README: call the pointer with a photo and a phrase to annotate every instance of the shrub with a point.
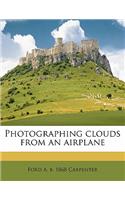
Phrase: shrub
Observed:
(32, 75)
(38, 101)
(21, 83)
(109, 96)
(11, 117)
(17, 92)
(102, 109)
(119, 108)
(33, 97)
(46, 72)
(66, 76)
(7, 105)
(18, 106)
(39, 111)
(29, 92)
(56, 75)
(1, 83)
(12, 90)
(11, 100)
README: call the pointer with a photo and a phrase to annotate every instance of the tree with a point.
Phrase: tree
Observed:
(109, 96)
(11, 100)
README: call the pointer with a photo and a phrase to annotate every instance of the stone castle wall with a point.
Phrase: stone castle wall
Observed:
(88, 49)
(89, 45)
(60, 48)
(70, 47)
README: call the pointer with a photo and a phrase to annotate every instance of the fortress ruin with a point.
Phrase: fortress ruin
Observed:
(87, 50)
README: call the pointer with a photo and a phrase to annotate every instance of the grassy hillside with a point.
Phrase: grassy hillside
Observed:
(59, 89)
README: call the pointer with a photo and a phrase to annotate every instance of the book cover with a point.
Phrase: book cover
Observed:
(62, 100)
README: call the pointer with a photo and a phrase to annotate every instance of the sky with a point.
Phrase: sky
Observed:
(19, 36)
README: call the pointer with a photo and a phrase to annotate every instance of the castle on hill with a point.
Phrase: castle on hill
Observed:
(76, 54)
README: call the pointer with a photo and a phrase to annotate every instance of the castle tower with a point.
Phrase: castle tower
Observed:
(89, 45)
(58, 42)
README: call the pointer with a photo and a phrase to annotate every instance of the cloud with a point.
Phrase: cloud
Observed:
(117, 62)
(12, 48)
(69, 31)
(2, 25)
(121, 22)
(7, 65)
(26, 43)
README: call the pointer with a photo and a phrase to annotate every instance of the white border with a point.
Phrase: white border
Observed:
(66, 9)
(62, 190)
(57, 9)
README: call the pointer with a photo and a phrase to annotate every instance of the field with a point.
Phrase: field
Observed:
(87, 118)
(62, 94)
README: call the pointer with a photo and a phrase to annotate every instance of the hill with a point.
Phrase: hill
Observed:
(61, 89)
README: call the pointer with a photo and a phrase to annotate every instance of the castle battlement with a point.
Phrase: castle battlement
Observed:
(89, 45)
(88, 49)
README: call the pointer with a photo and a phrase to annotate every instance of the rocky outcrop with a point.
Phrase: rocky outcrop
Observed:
(104, 62)
(101, 60)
